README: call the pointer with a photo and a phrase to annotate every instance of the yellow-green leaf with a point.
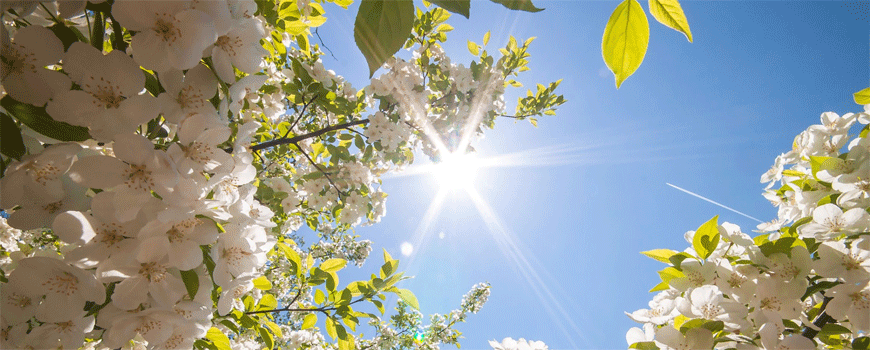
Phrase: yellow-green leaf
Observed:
(662, 255)
(218, 338)
(706, 237)
(381, 29)
(660, 287)
(473, 48)
(625, 41)
(309, 321)
(262, 283)
(485, 38)
(333, 265)
(408, 297)
(670, 13)
(862, 97)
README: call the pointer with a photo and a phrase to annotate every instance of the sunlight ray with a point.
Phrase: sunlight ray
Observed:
(423, 230)
(510, 248)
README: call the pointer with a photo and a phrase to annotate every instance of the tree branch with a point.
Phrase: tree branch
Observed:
(296, 139)
(821, 320)
(299, 117)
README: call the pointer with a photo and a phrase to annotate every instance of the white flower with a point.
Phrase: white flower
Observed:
(137, 170)
(696, 338)
(709, 303)
(240, 48)
(661, 309)
(170, 35)
(231, 294)
(851, 301)
(245, 88)
(196, 150)
(851, 264)
(146, 271)
(637, 335)
(37, 177)
(829, 221)
(521, 344)
(66, 288)
(180, 240)
(24, 58)
(189, 95)
(109, 102)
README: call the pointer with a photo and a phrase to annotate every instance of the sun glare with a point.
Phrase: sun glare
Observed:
(456, 171)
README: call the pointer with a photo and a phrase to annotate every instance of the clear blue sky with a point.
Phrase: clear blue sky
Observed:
(708, 116)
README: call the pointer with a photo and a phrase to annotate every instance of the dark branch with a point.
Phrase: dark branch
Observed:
(296, 139)
(324, 45)
(320, 170)
(820, 321)
(299, 117)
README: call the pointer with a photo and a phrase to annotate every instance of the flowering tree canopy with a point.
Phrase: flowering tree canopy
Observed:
(160, 158)
(803, 283)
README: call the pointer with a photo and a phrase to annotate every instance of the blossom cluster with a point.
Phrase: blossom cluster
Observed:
(147, 207)
(803, 283)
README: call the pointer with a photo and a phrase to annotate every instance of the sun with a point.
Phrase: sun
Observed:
(456, 171)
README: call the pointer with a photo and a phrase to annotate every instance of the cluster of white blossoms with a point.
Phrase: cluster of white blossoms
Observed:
(801, 286)
(170, 151)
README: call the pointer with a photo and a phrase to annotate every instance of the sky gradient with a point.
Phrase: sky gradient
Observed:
(561, 230)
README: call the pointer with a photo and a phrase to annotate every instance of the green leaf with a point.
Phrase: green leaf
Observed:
(669, 273)
(262, 283)
(862, 97)
(461, 7)
(473, 48)
(11, 142)
(267, 338)
(625, 41)
(319, 297)
(662, 255)
(408, 297)
(644, 345)
(333, 265)
(832, 329)
(37, 119)
(66, 35)
(520, 5)
(330, 327)
(862, 343)
(486, 38)
(267, 302)
(218, 338)
(387, 256)
(660, 287)
(670, 13)
(381, 29)
(706, 237)
(99, 31)
(309, 321)
(191, 282)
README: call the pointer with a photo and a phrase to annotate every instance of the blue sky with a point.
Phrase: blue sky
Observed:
(708, 116)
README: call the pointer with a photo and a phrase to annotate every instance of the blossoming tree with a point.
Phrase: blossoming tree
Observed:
(803, 283)
(160, 158)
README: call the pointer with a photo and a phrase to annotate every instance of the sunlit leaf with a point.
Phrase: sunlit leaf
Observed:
(670, 13)
(520, 5)
(706, 238)
(381, 29)
(625, 41)
(461, 7)
(862, 97)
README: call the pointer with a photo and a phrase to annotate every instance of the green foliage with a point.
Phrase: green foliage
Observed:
(381, 29)
(520, 5)
(462, 7)
(670, 13)
(626, 37)
(11, 142)
(706, 238)
(37, 119)
(862, 97)
(662, 255)
(191, 282)
(218, 338)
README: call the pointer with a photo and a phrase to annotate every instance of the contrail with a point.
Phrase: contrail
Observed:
(711, 201)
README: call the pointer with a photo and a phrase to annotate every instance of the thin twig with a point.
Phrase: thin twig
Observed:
(299, 117)
(324, 45)
(320, 170)
(296, 139)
